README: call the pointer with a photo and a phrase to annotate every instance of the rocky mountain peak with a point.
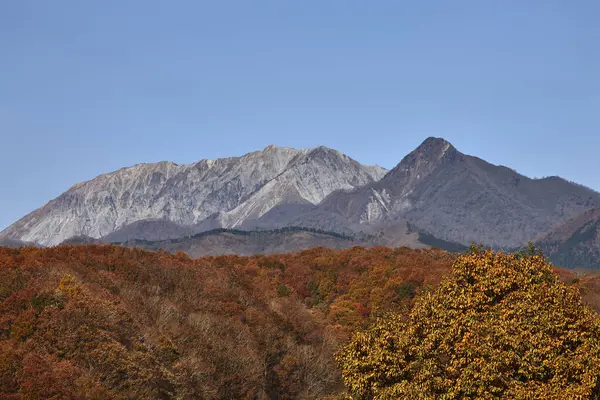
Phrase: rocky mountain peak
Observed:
(323, 152)
(270, 149)
(432, 150)
(429, 155)
(433, 144)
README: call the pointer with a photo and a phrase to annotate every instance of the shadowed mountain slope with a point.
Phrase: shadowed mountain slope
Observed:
(461, 198)
(575, 243)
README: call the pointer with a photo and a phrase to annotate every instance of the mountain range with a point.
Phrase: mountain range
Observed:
(176, 199)
(434, 192)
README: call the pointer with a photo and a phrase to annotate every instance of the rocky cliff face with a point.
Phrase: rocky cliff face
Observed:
(461, 198)
(229, 191)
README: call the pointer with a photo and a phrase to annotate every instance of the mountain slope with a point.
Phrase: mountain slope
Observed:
(575, 243)
(461, 198)
(291, 239)
(440, 191)
(230, 190)
(247, 243)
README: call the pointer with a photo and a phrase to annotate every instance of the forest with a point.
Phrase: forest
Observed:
(110, 322)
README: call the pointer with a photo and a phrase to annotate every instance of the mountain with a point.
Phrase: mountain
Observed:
(291, 239)
(244, 243)
(222, 241)
(575, 243)
(444, 195)
(182, 199)
(459, 198)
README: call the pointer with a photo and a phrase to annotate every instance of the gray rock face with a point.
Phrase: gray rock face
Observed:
(229, 192)
(462, 199)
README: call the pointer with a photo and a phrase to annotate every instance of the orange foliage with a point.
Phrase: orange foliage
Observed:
(112, 322)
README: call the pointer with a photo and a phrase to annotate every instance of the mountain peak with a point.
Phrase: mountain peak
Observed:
(424, 159)
(433, 146)
(242, 188)
(324, 150)
(271, 147)
(432, 151)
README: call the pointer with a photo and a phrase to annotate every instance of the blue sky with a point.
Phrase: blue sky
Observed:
(87, 87)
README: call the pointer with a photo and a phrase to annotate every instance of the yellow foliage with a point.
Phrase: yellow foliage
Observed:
(68, 286)
(501, 326)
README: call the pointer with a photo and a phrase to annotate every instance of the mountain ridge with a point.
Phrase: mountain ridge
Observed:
(453, 197)
(463, 198)
(235, 188)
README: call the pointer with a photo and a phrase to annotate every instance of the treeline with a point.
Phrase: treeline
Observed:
(102, 321)
(239, 232)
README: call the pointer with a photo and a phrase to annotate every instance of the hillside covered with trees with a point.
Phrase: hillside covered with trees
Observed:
(103, 322)
(113, 322)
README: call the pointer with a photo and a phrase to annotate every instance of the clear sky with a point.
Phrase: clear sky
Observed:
(88, 87)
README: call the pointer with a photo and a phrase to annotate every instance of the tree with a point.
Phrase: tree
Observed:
(500, 326)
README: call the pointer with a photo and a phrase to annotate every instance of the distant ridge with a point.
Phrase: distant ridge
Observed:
(224, 241)
(221, 241)
(449, 198)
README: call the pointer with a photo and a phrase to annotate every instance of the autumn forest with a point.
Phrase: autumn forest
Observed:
(101, 322)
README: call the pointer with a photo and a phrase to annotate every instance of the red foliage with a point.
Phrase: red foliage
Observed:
(106, 321)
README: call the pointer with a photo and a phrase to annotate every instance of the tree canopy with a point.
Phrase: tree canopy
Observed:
(110, 322)
(499, 326)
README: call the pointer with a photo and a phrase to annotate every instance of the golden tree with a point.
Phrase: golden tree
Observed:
(500, 326)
